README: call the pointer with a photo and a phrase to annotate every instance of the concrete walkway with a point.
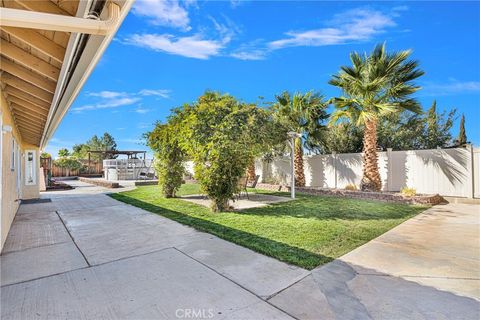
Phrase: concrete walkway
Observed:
(425, 268)
(86, 256)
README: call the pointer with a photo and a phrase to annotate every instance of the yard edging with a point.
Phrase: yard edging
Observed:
(357, 194)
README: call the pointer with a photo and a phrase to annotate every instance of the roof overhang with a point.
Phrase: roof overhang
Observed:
(43, 70)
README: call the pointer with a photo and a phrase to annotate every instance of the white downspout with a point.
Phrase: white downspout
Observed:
(55, 22)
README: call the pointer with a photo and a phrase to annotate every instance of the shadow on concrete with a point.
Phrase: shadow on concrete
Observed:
(268, 247)
(340, 290)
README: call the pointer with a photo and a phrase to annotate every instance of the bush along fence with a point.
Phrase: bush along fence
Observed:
(95, 168)
(449, 172)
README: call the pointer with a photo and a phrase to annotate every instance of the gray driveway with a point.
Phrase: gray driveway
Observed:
(86, 256)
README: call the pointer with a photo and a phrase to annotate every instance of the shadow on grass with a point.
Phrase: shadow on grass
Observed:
(281, 251)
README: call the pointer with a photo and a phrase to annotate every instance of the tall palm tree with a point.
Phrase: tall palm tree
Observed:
(304, 114)
(375, 85)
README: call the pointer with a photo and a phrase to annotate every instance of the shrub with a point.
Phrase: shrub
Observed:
(351, 187)
(408, 192)
(169, 156)
(170, 174)
(222, 135)
(69, 163)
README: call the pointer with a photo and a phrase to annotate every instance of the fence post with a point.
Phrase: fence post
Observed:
(334, 154)
(472, 172)
(389, 169)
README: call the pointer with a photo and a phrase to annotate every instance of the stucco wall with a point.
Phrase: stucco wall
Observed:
(10, 194)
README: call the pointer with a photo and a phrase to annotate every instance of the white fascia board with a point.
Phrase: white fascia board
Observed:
(91, 54)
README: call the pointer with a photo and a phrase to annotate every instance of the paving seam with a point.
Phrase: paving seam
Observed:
(73, 240)
(129, 257)
(42, 277)
(81, 268)
(36, 247)
(248, 290)
(290, 285)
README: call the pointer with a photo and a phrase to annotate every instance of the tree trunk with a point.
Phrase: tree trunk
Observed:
(298, 159)
(251, 170)
(220, 205)
(371, 180)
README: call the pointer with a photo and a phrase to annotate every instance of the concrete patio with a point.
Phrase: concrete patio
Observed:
(85, 255)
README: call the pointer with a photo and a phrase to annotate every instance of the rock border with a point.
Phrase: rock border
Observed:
(380, 196)
(101, 183)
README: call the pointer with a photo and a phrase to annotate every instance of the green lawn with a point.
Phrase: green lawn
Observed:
(310, 231)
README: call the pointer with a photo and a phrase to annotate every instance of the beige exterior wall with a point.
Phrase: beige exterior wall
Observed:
(11, 191)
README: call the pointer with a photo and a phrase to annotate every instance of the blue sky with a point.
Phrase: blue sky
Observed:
(169, 52)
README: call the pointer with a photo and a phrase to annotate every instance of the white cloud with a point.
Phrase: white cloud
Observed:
(143, 125)
(114, 99)
(163, 93)
(142, 110)
(350, 26)
(132, 140)
(190, 46)
(164, 12)
(203, 44)
(107, 94)
(396, 11)
(226, 30)
(249, 55)
(236, 3)
(453, 86)
(109, 103)
(254, 50)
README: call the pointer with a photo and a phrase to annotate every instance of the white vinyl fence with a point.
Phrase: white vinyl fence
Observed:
(476, 172)
(448, 172)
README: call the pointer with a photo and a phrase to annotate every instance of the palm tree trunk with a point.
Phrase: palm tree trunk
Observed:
(298, 159)
(251, 170)
(371, 180)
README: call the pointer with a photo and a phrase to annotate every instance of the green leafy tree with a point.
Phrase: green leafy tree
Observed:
(375, 85)
(80, 151)
(63, 153)
(45, 155)
(108, 143)
(343, 138)
(437, 127)
(95, 143)
(170, 156)
(304, 114)
(400, 131)
(462, 136)
(221, 135)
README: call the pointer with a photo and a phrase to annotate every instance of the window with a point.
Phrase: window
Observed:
(30, 167)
